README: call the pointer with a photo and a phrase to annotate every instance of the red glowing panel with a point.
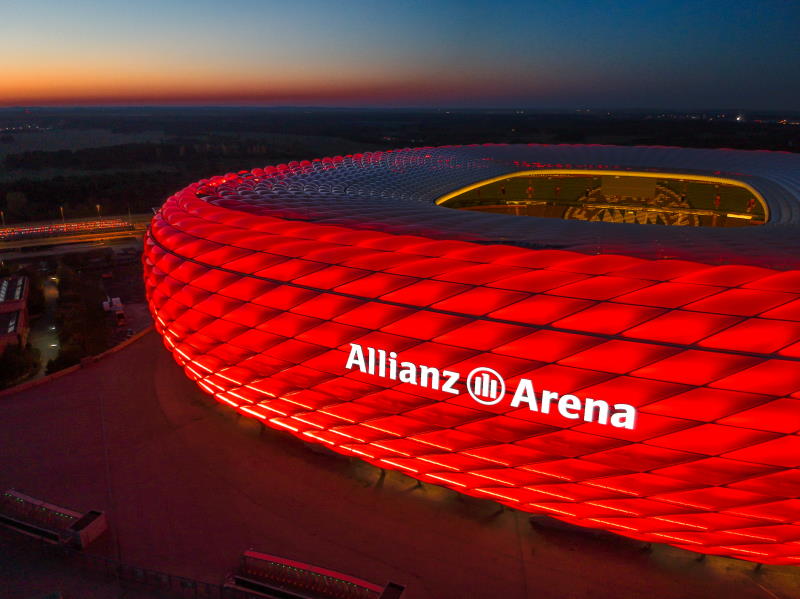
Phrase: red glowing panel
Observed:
(618, 356)
(780, 416)
(680, 326)
(704, 404)
(480, 274)
(729, 275)
(424, 293)
(756, 335)
(789, 311)
(741, 302)
(602, 264)
(694, 367)
(483, 335)
(540, 309)
(537, 281)
(548, 346)
(654, 398)
(788, 281)
(608, 318)
(668, 295)
(599, 288)
(662, 270)
(775, 377)
(479, 301)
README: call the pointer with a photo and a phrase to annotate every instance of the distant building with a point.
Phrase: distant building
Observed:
(14, 323)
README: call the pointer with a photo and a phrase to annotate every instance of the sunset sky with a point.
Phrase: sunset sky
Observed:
(560, 54)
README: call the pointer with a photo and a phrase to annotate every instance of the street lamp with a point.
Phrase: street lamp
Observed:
(98, 210)
(3, 216)
(61, 209)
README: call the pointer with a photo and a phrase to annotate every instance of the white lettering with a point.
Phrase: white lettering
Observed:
(567, 403)
(625, 417)
(602, 410)
(452, 379)
(382, 363)
(356, 358)
(408, 373)
(371, 353)
(424, 371)
(487, 387)
(525, 394)
(547, 396)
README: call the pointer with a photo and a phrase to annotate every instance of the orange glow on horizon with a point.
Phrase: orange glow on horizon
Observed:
(106, 84)
(355, 94)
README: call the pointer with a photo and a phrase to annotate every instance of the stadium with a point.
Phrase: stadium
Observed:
(606, 335)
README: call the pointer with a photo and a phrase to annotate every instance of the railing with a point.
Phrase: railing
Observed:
(49, 522)
(272, 576)
(37, 518)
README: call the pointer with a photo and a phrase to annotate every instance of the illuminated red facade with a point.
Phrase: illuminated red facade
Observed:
(262, 302)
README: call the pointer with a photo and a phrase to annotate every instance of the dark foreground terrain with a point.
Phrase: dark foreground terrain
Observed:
(187, 488)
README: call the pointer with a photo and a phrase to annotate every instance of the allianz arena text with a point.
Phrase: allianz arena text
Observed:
(487, 387)
(606, 335)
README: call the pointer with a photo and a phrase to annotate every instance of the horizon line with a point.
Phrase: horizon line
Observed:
(430, 108)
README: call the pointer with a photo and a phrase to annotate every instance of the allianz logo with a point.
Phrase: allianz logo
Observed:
(487, 387)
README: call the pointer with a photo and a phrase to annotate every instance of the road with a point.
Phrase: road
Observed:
(64, 239)
(70, 248)
(139, 221)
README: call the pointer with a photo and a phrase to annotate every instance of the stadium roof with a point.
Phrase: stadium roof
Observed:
(397, 191)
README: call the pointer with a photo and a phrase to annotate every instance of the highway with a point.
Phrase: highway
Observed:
(139, 221)
(63, 239)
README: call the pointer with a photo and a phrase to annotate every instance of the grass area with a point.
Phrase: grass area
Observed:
(546, 188)
(702, 195)
(568, 190)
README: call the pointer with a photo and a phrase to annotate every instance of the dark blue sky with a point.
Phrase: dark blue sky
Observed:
(561, 54)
